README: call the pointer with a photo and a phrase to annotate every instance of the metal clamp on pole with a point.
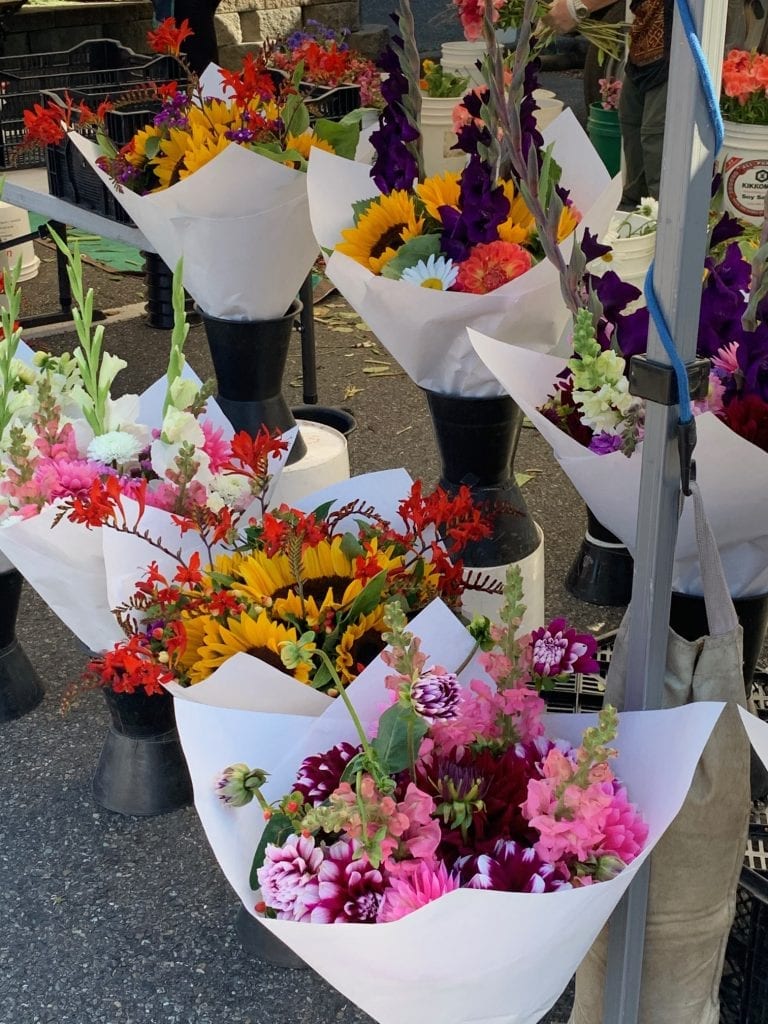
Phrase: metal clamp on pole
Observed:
(657, 382)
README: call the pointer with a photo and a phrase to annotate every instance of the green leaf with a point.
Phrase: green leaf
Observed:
(277, 830)
(321, 512)
(368, 598)
(351, 546)
(361, 207)
(152, 147)
(343, 137)
(414, 251)
(398, 726)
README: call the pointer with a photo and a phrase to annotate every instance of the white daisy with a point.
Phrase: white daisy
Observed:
(437, 272)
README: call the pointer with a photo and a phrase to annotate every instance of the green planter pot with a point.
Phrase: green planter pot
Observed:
(605, 133)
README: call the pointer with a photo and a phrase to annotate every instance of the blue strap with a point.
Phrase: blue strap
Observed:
(654, 309)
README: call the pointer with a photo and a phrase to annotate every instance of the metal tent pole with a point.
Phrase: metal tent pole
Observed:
(681, 246)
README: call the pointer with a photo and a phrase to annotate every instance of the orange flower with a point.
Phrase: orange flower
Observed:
(490, 265)
(168, 36)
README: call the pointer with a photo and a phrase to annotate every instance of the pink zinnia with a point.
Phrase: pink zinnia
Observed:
(288, 878)
(417, 889)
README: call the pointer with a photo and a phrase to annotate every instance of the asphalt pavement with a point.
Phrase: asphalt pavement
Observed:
(114, 920)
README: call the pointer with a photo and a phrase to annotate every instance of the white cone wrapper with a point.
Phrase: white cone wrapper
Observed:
(423, 329)
(471, 957)
(731, 472)
(242, 224)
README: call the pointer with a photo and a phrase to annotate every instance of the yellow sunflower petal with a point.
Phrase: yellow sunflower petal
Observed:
(440, 190)
(388, 222)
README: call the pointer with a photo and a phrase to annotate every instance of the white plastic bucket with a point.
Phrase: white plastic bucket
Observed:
(326, 463)
(631, 256)
(549, 108)
(14, 223)
(532, 571)
(438, 136)
(460, 59)
(744, 165)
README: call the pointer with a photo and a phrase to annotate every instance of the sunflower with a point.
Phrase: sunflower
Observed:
(205, 146)
(260, 637)
(387, 223)
(136, 154)
(216, 116)
(519, 226)
(440, 190)
(305, 142)
(360, 642)
(194, 630)
(170, 157)
(569, 218)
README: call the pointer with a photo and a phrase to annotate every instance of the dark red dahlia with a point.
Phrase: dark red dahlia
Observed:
(320, 774)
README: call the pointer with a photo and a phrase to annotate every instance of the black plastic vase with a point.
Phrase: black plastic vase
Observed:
(259, 942)
(20, 686)
(477, 442)
(141, 769)
(249, 359)
(602, 570)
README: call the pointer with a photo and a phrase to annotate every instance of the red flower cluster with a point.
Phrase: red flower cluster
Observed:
(130, 666)
(49, 124)
(252, 82)
(168, 36)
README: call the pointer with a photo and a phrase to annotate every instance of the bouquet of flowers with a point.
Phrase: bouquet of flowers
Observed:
(328, 60)
(439, 83)
(583, 407)
(609, 39)
(462, 812)
(471, 242)
(167, 455)
(210, 174)
(744, 98)
(322, 577)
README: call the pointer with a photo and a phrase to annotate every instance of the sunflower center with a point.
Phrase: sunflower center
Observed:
(391, 239)
(365, 648)
(318, 588)
(265, 654)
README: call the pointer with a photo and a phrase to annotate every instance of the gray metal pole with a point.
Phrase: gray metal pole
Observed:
(680, 251)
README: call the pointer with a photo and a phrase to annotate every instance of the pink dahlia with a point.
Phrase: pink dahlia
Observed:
(509, 867)
(288, 878)
(350, 889)
(557, 649)
(420, 887)
(62, 477)
(436, 695)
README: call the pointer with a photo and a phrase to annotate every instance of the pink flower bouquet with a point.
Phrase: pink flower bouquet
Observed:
(460, 811)
(166, 456)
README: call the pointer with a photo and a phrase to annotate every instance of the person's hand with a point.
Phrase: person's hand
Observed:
(558, 18)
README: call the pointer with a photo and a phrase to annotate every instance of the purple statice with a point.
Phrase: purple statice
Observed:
(558, 648)
(605, 443)
(240, 135)
(350, 889)
(395, 166)
(436, 696)
(173, 113)
(288, 878)
(482, 208)
(320, 774)
(509, 867)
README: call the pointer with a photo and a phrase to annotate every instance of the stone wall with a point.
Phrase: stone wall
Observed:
(239, 24)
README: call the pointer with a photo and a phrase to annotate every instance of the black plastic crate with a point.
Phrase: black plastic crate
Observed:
(91, 88)
(72, 178)
(95, 62)
(332, 104)
(744, 985)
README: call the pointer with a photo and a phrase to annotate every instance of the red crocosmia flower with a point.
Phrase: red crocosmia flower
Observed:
(168, 36)
(253, 81)
(167, 91)
(490, 265)
(44, 125)
(190, 574)
(128, 667)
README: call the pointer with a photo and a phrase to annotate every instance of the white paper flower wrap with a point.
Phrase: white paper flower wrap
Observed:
(423, 329)
(471, 957)
(731, 472)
